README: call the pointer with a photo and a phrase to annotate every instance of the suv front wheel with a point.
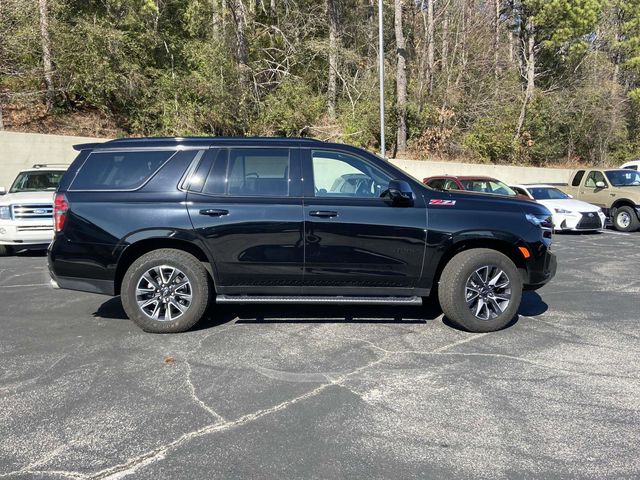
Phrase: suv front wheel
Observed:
(166, 291)
(480, 290)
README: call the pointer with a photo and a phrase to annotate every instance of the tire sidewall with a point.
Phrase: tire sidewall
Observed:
(633, 225)
(466, 318)
(200, 295)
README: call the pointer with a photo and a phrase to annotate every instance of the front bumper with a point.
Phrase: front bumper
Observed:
(25, 234)
(540, 271)
(579, 222)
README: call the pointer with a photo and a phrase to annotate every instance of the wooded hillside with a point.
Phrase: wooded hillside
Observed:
(513, 81)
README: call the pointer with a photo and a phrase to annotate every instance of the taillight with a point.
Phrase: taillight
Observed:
(60, 207)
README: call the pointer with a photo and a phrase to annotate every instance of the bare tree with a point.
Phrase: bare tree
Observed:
(332, 19)
(496, 38)
(401, 79)
(239, 13)
(430, 45)
(444, 53)
(46, 54)
(530, 71)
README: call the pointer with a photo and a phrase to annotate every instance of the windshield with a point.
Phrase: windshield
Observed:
(488, 186)
(546, 193)
(36, 181)
(623, 178)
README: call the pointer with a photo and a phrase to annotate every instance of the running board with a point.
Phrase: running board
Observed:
(335, 300)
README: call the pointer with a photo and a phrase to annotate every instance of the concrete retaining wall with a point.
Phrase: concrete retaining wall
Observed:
(507, 174)
(22, 150)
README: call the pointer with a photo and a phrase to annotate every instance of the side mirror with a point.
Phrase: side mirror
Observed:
(400, 193)
(601, 184)
(3, 191)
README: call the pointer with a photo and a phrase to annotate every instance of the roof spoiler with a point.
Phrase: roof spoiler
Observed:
(85, 146)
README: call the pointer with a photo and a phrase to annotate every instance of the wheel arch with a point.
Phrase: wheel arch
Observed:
(509, 249)
(622, 202)
(139, 248)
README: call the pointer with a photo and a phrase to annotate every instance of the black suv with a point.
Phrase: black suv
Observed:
(171, 224)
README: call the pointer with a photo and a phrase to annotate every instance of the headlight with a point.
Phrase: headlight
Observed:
(4, 213)
(540, 220)
(562, 210)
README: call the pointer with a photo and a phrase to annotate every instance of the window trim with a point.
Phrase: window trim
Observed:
(123, 150)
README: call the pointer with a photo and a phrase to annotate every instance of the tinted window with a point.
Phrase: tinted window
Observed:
(118, 170)
(217, 179)
(36, 181)
(451, 185)
(263, 172)
(488, 186)
(341, 175)
(578, 178)
(437, 184)
(624, 178)
(545, 193)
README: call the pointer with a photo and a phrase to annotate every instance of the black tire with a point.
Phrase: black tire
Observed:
(625, 219)
(200, 290)
(6, 250)
(452, 290)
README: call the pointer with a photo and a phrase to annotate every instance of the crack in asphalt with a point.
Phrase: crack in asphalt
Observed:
(197, 399)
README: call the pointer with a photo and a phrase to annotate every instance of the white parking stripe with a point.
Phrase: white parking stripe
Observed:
(27, 285)
(615, 233)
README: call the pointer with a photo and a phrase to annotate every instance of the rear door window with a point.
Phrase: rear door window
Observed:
(119, 170)
(258, 171)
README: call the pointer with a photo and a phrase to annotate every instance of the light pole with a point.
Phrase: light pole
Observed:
(381, 73)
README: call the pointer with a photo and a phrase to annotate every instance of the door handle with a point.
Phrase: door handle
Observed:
(323, 213)
(214, 212)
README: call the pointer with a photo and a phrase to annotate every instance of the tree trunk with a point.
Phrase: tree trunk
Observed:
(430, 46)
(332, 20)
(496, 39)
(444, 54)
(1, 119)
(239, 13)
(401, 79)
(530, 64)
(46, 54)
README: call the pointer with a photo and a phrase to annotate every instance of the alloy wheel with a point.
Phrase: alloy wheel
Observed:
(164, 293)
(488, 292)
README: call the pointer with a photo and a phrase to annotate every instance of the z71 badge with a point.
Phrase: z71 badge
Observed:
(444, 203)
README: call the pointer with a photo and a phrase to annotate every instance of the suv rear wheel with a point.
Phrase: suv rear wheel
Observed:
(625, 219)
(480, 290)
(166, 291)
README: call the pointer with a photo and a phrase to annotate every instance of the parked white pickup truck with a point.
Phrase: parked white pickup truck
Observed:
(26, 210)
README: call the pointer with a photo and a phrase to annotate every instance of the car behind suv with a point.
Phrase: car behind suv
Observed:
(173, 224)
(26, 211)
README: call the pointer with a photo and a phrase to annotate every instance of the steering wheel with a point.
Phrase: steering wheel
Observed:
(252, 174)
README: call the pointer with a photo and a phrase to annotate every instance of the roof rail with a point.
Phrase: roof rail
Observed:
(47, 165)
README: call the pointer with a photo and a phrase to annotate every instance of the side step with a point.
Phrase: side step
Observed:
(324, 299)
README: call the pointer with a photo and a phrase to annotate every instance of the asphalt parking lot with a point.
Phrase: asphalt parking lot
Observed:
(327, 392)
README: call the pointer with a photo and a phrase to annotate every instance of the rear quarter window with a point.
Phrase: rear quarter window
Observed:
(118, 170)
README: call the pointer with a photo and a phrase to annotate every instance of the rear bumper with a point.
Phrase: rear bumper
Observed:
(79, 267)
